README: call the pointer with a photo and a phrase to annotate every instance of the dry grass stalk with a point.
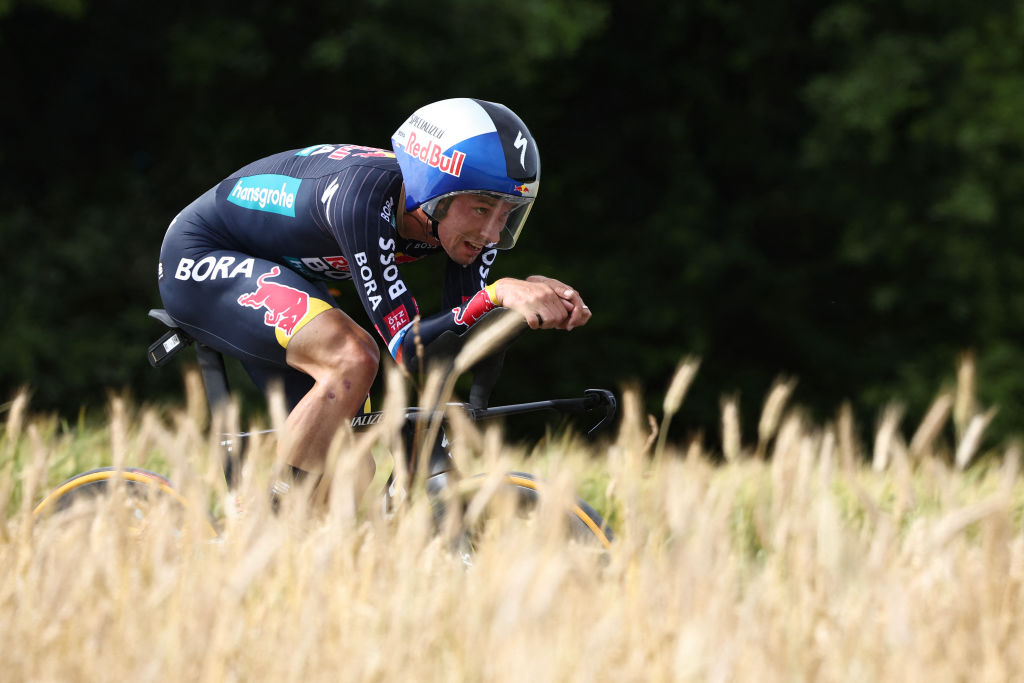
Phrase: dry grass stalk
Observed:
(771, 413)
(931, 426)
(886, 436)
(965, 404)
(792, 569)
(731, 436)
(195, 396)
(16, 417)
(971, 440)
(849, 455)
(686, 370)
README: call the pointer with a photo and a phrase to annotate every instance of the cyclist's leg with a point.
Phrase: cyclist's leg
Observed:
(293, 383)
(342, 358)
(256, 310)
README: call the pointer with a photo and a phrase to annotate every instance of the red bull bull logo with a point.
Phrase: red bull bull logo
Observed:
(285, 305)
(471, 311)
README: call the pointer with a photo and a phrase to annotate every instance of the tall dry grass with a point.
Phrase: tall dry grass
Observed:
(805, 555)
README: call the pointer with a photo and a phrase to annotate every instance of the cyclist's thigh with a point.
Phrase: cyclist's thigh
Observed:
(293, 383)
(246, 307)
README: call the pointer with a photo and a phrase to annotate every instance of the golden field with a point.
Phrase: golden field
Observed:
(800, 555)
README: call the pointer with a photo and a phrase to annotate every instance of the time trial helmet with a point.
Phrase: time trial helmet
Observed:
(466, 145)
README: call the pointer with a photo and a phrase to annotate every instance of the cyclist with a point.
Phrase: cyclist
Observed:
(244, 269)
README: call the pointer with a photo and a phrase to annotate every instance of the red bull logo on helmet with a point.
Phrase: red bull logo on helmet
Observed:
(430, 153)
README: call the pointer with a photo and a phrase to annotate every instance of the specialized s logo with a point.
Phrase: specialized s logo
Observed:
(328, 196)
(521, 142)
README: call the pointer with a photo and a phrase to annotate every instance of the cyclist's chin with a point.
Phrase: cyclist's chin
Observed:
(463, 253)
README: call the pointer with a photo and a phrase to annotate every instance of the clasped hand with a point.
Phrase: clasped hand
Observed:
(545, 302)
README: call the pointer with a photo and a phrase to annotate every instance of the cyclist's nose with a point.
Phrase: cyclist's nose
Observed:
(491, 230)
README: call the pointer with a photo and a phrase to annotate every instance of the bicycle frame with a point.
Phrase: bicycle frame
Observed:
(598, 404)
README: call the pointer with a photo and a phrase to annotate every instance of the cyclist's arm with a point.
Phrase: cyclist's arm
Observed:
(361, 223)
(465, 297)
(544, 302)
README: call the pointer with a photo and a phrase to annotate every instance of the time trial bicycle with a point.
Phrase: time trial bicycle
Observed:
(450, 492)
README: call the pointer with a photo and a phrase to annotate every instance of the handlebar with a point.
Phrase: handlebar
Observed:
(448, 346)
(599, 404)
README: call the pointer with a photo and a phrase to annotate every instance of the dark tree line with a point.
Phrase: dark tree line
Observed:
(825, 191)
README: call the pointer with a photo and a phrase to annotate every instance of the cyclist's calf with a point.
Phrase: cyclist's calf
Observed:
(342, 359)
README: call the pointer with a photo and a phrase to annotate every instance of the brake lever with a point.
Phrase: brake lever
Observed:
(599, 399)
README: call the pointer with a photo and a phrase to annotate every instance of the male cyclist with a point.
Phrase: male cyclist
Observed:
(244, 268)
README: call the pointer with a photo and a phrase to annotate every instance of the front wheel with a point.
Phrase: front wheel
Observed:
(143, 490)
(478, 496)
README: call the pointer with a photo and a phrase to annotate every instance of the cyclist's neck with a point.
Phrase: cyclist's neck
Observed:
(415, 225)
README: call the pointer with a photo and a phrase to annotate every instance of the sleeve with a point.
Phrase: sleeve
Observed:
(465, 298)
(358, 207)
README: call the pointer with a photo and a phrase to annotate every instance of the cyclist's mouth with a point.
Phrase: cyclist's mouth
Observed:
(475, 248)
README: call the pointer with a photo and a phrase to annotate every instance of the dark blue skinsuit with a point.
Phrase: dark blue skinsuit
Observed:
(246, 265)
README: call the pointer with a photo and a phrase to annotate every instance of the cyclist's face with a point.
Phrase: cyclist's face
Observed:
(472, 222)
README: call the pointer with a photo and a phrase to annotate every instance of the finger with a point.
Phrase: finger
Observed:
(579, 317)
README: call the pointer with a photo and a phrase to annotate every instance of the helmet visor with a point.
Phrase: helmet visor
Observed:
(512, 210)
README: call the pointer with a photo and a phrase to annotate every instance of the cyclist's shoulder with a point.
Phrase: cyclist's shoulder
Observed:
(320, 160)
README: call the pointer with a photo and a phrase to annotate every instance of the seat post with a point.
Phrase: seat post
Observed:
(215, 381)
(215, 378)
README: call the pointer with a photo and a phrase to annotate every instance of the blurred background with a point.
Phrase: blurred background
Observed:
(825, 191)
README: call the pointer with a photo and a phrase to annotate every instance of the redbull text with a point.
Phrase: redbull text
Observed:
(431, 154)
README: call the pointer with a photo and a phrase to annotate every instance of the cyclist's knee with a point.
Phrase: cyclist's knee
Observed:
(336, 347)
(356, 354)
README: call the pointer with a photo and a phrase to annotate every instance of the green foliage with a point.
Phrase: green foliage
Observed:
(828, 192)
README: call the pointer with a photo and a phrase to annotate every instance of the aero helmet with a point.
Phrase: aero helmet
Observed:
(467, 145)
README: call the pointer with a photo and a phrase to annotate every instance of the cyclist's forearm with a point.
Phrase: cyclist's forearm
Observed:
(408, 343)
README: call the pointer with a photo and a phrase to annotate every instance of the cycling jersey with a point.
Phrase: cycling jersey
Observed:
(244, 267)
